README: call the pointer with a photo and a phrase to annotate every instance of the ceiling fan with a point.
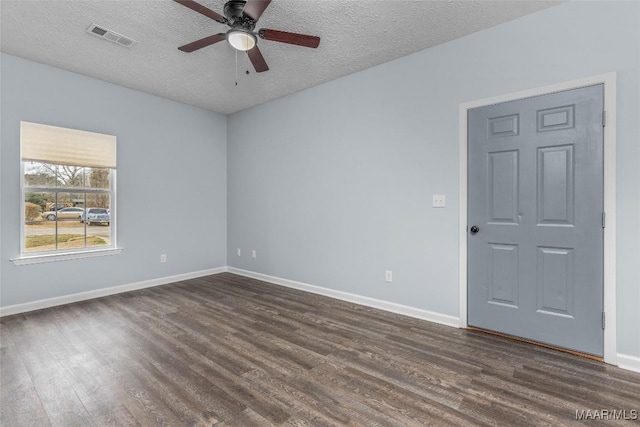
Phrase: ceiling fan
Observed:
(241, 16)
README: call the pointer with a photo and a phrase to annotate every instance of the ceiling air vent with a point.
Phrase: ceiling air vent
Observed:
(109, 35)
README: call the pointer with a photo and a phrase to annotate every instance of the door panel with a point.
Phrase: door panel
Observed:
(555, 281)
(535, 267)
(504, 275)
(555, 185)
(503, 126)
(503, 187)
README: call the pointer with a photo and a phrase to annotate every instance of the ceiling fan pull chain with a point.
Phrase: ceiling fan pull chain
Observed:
(236, 67)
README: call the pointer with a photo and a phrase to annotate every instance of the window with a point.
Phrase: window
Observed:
(68, 190)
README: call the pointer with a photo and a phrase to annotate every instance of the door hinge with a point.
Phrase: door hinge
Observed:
(604, 118)
(604, 320)
(604, 220)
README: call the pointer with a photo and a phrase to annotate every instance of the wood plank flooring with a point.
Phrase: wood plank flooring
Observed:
(225, 350)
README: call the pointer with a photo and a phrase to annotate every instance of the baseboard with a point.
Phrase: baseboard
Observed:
(405, 310)
(631, 363)
(82, 296)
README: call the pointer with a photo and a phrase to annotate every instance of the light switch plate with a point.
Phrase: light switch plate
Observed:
(439, 201)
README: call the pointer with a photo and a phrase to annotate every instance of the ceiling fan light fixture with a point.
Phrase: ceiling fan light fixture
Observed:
(241, 40)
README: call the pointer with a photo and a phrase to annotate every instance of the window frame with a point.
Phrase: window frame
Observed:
(73, 253)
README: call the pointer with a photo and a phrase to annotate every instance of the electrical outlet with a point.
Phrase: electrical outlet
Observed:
(253, 254)
(388, 276)
(439, 201)
(239, 252)
(163, 257)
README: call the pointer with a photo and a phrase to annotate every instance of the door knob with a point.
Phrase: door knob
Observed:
(474, 229)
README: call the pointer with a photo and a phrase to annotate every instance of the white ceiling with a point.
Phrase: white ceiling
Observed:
(355, 35)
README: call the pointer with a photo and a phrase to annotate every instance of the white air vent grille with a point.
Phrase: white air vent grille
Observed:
(109, 35)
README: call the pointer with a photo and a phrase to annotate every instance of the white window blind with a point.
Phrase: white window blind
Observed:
(62, 146)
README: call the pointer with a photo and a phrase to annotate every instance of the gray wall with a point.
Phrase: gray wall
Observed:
(333, 185)
(171, 194)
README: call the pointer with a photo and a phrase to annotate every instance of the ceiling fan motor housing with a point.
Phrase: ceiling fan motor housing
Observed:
(233, 10)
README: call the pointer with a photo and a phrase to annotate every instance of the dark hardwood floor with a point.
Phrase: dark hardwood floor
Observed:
(230, 351)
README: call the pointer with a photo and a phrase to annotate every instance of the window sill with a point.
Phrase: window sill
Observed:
(38, 259)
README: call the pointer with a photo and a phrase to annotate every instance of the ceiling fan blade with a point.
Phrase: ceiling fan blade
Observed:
(291, 38)
(199, 44)
(254, 8)
(257, 60)
(203, 10)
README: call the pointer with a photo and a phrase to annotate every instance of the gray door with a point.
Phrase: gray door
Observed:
(535, 263)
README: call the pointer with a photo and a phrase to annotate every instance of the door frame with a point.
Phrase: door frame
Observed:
(609, 82)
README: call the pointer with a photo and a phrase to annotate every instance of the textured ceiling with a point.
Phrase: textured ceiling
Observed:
(355, 35)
